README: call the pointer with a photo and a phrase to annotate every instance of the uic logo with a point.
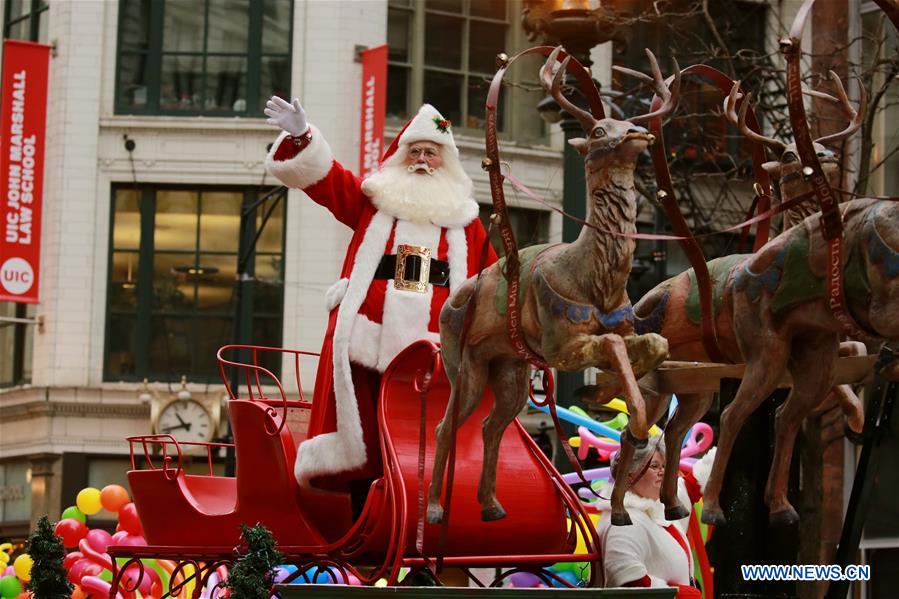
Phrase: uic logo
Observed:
(16, 276)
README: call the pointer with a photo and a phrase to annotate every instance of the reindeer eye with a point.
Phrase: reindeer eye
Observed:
(599, 132)
(789, 157)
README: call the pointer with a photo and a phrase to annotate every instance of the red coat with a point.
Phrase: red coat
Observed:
(370, 320)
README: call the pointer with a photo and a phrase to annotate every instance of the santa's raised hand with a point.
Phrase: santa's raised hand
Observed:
(288, 116)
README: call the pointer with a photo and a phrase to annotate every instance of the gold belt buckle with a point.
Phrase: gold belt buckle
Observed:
(400, 282)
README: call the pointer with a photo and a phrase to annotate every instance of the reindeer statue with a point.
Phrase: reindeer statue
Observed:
(760, 318)
(575, 312)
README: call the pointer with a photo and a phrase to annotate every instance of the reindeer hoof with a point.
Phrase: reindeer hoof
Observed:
(434, 514)
(713, 516)
(634, 441)
(621, 519)
(494, 512)
(787, 517)
(853, 437)
(677, 512)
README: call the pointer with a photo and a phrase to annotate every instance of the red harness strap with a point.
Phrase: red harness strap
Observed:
(831, 220)
(689, 244)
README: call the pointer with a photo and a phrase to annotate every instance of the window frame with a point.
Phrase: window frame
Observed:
(38, 7)
(416, 66)
(144, 312)
(155, 53)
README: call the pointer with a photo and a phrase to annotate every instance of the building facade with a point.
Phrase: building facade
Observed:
(155, 143)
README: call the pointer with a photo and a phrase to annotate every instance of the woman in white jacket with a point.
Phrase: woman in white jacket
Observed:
(652, 552)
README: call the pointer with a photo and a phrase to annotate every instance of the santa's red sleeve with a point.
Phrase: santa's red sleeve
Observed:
(315, 171)
(477, 241)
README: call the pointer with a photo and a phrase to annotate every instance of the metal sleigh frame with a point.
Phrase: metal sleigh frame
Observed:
(192, 519)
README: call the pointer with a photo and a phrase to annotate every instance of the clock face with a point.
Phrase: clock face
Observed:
(186, 420)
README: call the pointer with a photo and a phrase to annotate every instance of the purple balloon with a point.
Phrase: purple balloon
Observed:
(525, 580)
(98, 539)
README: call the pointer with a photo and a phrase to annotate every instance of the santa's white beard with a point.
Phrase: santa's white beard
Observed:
(442, 198)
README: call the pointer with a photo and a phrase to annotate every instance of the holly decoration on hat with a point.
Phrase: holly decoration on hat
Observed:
(443, 125)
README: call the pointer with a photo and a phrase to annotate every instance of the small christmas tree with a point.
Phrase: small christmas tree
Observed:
(48, 575)
(254, 572)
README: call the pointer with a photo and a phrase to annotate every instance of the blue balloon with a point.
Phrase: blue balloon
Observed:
(568, 576)
(316, 575)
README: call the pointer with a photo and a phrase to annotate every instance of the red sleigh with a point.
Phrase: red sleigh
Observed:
(195, 518)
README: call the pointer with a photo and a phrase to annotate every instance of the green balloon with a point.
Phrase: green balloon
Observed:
(10, 587)
(73, 512)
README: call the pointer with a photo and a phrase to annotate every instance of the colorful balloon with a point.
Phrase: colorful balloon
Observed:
(114, 497)
(22, 567)
(70, 531)
(129, 519)
(88, 501)
(98, 539)
(10, 587)
(74, 513)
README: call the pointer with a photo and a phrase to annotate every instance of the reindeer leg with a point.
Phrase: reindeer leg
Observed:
(656, 404)
(508, 379)
(759, 380)
(614, 351)
(690, 408)
(811, 366)
(469, 392)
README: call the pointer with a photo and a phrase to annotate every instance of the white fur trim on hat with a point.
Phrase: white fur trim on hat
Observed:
(425, 127)
(311, 165)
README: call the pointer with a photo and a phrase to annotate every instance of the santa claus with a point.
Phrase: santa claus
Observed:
(416, 238)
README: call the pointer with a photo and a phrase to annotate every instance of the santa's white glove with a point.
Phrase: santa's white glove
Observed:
(288, 116)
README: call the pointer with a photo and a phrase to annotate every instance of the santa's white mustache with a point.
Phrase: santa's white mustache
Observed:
(420, 167)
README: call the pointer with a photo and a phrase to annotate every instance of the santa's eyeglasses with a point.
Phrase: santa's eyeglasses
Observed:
(416, 152)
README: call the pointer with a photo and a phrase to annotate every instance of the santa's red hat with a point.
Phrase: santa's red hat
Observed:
(427, 125)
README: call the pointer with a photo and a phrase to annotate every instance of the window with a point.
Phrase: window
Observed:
(443, 52)
(530, 227)
(210, 57)
(173, 263)
(25, 20)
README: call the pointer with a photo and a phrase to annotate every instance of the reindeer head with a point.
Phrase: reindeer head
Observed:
(611, 142)
(787, 168)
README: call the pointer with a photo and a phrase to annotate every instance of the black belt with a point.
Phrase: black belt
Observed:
(438, 275)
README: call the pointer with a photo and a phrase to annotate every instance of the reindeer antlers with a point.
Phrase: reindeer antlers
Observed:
(553, 86)
(856, 117)
(730, 112)
(670, 94)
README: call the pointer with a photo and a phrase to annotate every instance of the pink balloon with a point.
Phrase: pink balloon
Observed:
(352, 580)
(82, 568)
(117, 537)
(98, 539)
(133, 541)
(10, 571)
(94, 585)
(101, 558)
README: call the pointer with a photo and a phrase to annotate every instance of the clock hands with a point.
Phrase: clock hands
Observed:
(182, 423)
(185, 425)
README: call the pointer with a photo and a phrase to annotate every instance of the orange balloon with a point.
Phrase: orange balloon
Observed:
(77, 593)
(114, 497)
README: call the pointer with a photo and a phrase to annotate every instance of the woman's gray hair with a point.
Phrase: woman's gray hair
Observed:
(641, 456)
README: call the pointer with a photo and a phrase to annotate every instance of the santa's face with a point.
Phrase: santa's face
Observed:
(424, 158)
(442, 195)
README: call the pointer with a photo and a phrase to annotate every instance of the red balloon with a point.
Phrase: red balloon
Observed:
(70, 531)
(71, 558)
(114, 497)
(98, 539)
(129, 520)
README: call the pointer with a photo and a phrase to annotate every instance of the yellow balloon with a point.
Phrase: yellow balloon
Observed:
(22, 567)
(88, 501)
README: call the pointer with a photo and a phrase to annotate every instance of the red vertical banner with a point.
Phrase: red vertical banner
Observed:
(23, 116)
(374, 107)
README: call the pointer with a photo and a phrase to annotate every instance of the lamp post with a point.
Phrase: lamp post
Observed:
(578, 28)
